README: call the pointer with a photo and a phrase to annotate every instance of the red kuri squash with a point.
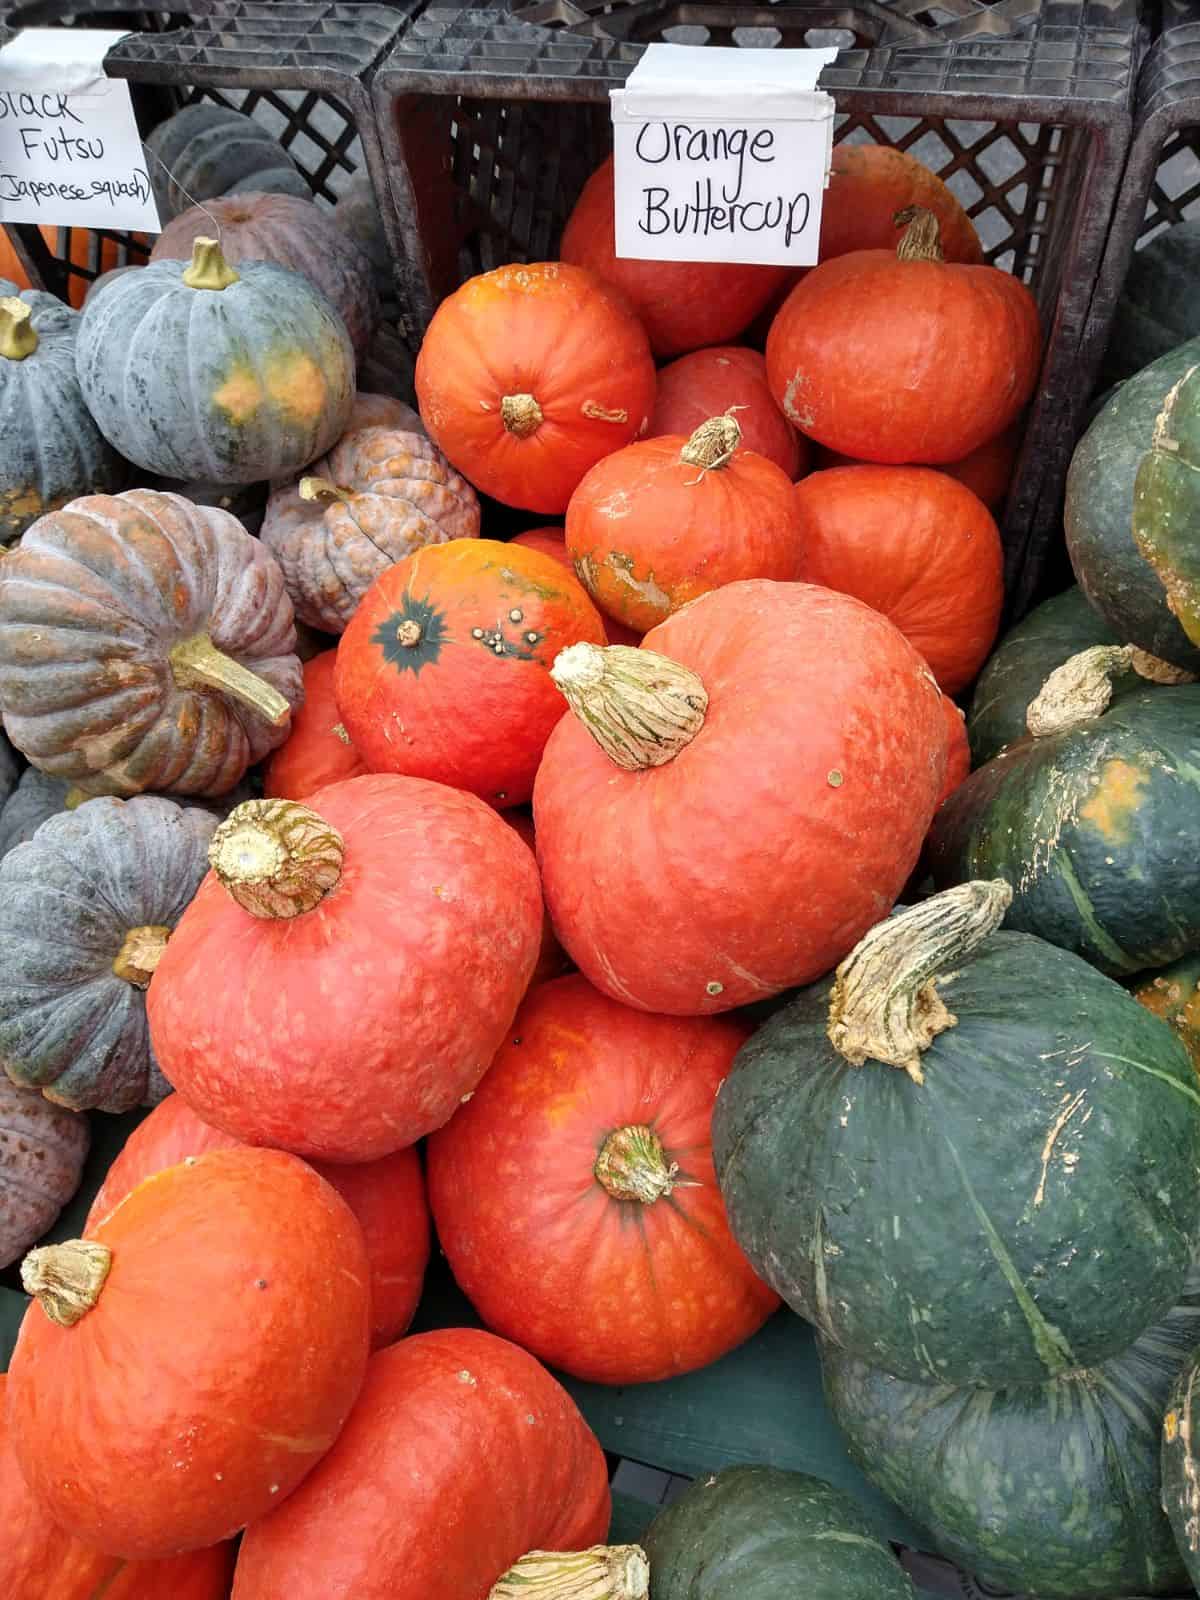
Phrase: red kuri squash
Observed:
(735, 803)
(958, 748)
(387, 1196)
(528, 375)
(462, 1455)
(987, 471)
(683, 305)
(709, 382)
(915, 545)
(43, 1562)
(189, 1362)
(444, 671)
(318, 749)
(552, 959)
(665, 520)
(553, 542)
(346, 973)
(900, 356)
(577, 1186)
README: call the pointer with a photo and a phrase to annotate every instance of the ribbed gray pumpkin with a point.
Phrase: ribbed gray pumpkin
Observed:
(52, 450)
(199, 371)
(292, 233)
(86, 908)
(36, 797)
(1048, 1489)
(210, 150)
(42, 1151)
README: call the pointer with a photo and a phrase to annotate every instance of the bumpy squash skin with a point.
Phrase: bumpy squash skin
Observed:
(758, 1533)
(1044, 1489)
(1180, 1467)
(68, 1024)
(209, 150)
(231, 385)
(42, 1151)
(1174, 995)
(1021, 663)
(1097, 830)
(1113, 574)
(1055, 1110)
(1166, 502)
(53, 450)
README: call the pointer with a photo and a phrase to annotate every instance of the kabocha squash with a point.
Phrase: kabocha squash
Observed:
(53, 451)
(42, 1151)
(576, 1185)
(1157, 309)
(709, 383)
(292, 233)
(379, 494)
(357, 921)
(916, 546)
(200, 371)
(553, 542)
(248, 1362)
(1025, 657)
(471, 624)
(664, 520)
(683, 305)
(866, 354)
(1095, 826)
(1022, 1100)
(1112, 571)
(793, 741)
(761, 1532)
(207, 150)
(1049, 1489)
(318, 750)
(86, 910)
(387, 1197)
(145, 643)
(1166, 505)
(501, 1423)
(1180, 1470)
(42, 1562)
(552, 959)
(1173, 995)
(357, 215)
(528, 375)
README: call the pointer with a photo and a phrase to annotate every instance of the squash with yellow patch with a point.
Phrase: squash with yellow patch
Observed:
(195, 370)
(1094, 819)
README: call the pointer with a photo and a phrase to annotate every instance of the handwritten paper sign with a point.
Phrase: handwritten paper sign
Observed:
(722, 155)
(70, 152)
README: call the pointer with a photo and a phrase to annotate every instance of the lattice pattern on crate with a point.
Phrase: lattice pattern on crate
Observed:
(1169, 99)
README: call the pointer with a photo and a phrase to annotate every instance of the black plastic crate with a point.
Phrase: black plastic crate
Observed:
(491, 120)
(301, 68)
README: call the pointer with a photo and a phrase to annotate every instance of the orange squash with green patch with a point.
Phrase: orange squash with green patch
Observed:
(198, 370)
(1094, 820)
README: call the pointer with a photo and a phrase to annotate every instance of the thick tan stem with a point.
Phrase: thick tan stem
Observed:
(521, 414)
(885, 1006)
(641, 708)
(605, 1572)
(138, 958)
(276, 858)
(1078, 691)
(922, 238)
(323, 489)
(17, 336)
(66, 1279)
(1156, 671)
(713, 443)
(632, 1165)
(196, 663)
(208, 268)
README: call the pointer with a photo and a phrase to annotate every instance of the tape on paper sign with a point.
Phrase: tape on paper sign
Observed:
(70, 152)
(722, 155)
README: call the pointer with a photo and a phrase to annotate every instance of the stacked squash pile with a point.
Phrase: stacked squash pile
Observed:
(272, 870)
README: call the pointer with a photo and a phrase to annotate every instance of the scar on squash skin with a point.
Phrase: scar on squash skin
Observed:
(598, 413)
(1111, 808)
(240, 396)
(297, 385)
(791, 401)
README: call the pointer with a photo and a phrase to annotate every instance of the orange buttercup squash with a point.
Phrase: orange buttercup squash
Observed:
(186, 1364)
(900, 356)
(707, 383)
(528, 375)
(958, 747)
(987, 471)
(553, 542)
(318, 749)
(552, 960)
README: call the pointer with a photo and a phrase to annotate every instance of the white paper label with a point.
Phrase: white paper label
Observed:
(722, 155)
(70, 153)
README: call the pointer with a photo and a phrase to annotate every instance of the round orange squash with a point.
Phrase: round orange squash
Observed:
(665, 520)
(553, 542)
(901, 356)
(958, 748)
(578, 1183)
(707, 383)
(552, 959)
(528, 375)
(444, 671)
(318, 749)
(194, 1357)
(917, 546)
(683, 305)
(387, 1196)
(987, 471)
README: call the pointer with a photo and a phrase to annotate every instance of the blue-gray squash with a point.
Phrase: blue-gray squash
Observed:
(206, 150)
